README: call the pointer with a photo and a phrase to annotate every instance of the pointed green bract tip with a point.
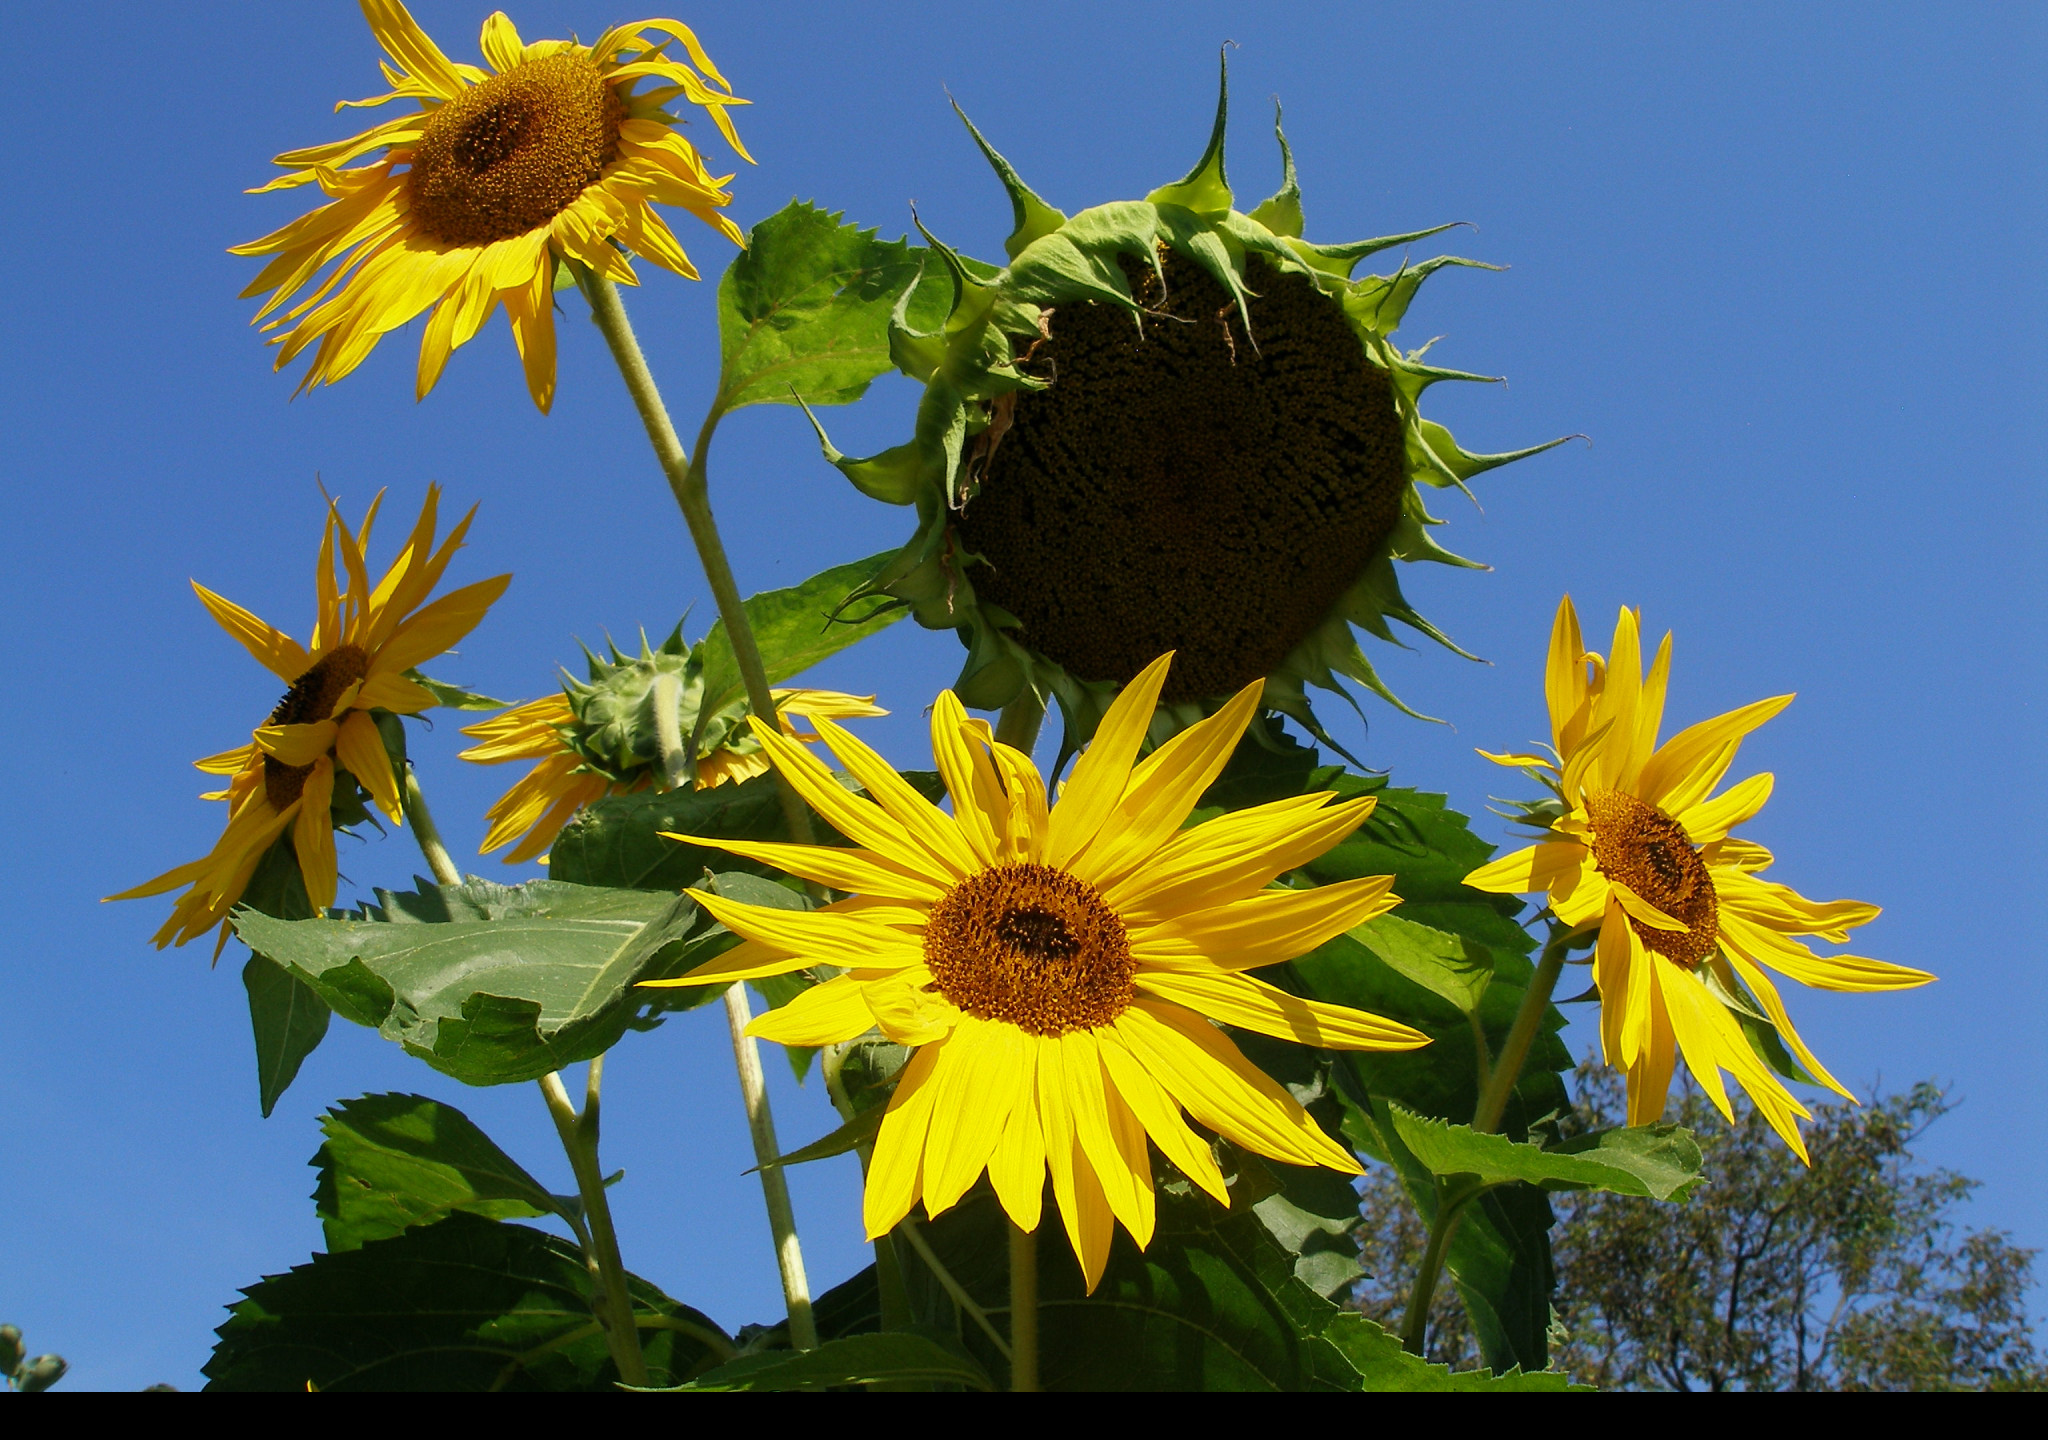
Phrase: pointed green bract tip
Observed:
(1205, 190)
(1033, 217)
(1282, 213)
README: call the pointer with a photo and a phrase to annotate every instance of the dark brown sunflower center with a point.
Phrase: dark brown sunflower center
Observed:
(310, 700)
(1032, 946)
(1183, 490)
(1647, 850)
(507, 156)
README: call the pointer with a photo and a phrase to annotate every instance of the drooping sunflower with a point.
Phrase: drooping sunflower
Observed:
(1639, 845)
(1058, 969)
(479, 194)
(1167, 425)
(599, 738)
(322, 738)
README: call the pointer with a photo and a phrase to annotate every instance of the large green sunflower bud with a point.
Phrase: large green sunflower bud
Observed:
(1167, 425)
(617, 730)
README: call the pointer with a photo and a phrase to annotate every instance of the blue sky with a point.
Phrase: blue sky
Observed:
(1780, 263)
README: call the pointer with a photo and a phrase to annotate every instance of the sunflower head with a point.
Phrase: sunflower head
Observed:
(611, 732)
(1639, 851)
(1166, 424)
(1059, 972)
(476, 197)
(332, 742)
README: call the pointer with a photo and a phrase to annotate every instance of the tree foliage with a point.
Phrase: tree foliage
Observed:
(1856, 1275)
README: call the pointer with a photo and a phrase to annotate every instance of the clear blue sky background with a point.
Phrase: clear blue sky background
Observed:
(1781, 263)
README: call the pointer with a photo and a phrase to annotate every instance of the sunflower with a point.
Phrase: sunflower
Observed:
(365, 644)
(483, 191)
(1058, 969)
(564, 779)
(1167, 425)
(1639, 845)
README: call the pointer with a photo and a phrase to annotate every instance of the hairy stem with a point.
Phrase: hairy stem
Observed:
(789, 1255)
(1023, 1308)
(612, 1302)
(1021, 718)
(1415, 1325)
(426, 833)
(687, 481)
(668, 730)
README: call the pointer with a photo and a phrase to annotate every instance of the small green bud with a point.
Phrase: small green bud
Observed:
(11, 1349)
(40, 1373)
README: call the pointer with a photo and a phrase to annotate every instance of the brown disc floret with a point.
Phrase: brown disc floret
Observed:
(1032, 946)
(1648, 851)
(1188, 487)
(507, 156)
(311, 699)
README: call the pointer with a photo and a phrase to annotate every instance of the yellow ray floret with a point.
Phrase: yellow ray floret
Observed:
(1642, 853)
(365, 639)
(482, 191)
(1060, 969)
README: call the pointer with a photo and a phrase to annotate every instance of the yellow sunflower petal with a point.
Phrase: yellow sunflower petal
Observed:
(823, 1015)
(978, 1092)
(1781, 908)
(1163, 790)
(274, 650)
(1823, 972)
(858, 870)
(1672, 777)
(1017, 1170)
(1160, 1116)
(1526, 871)
(1641, 909)
(1103, 770)
(1127, 1190)
(313, 835)
(1711, 820)
(297, 744)
(969, 771)
(1203, 1071)
(1266, 928)
(1612, 957)
(909, 1010)
(926, 823)
(361, 751)
(1649, 1078)
(897, 1167)
(1619, 703)
(861, 821)
(501, 43)
(1564, 679)
(819, 937)
(1774, 1006)
(408, 45)
(1252, 1004)
(440, 625)
(1234, 855)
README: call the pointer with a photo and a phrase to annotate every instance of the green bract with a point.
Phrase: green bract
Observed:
(1167, 425)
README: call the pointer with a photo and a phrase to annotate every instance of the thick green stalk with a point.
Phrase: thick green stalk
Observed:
(688, 483)
(667, 700)
(1023, 1308)
(1020, 721)
(425, 833)
(612, 1302)
(789, 1255)
(1493, 1103)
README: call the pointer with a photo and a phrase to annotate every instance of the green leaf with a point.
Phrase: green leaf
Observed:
(1661, 1162)
(901, 1357)
(856, 1132)
(486, 983)
(804, 310)
(1444, 964)
(454, 697)
(795, 629)
(464, 1305)
(391, 1162)
(290, 1021)
(1384, 1365)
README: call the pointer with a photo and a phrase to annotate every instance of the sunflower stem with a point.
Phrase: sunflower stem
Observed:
(1023, 1303)
(893, 1298)
(1507, 1069)
(612, 1302)
(1020, 721)
(425, 832)
(789, 1255)
(688, 482)
(1498, 1088)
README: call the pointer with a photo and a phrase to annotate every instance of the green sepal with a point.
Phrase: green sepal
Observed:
(453, 697)
(1341, 260)
(1281, 213)
(1204, 190)
(1380, 302)
(1446, 452)
(1032, 216)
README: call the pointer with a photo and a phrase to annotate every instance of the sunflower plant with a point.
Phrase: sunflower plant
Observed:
(1111, 1026)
